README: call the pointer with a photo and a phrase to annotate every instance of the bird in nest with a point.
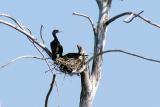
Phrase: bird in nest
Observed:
(72, 63)
(55, 45)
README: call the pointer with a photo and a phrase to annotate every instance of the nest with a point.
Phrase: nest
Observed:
(71, 65)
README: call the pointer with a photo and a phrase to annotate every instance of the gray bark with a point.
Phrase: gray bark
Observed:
(90, 83)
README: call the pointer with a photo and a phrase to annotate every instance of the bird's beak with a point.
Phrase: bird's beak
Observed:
(60, 32)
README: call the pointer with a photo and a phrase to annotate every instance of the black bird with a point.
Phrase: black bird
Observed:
(72, 62)
(75, 55)
(56, 47)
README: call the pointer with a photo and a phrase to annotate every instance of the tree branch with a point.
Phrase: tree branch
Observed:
(13, 19)
(43, 57)
(117, 17)
(85, 16)
(50, 90)
(21, 57)
(86, 89)
(125, 52)
(41, 35)
(134, 14)
(90, 86)
(16, 22)
(31, 37)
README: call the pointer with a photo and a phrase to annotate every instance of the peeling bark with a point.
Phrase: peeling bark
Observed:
(90, 83)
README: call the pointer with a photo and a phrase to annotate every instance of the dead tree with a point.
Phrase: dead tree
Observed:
(89, 80)
(90, 83)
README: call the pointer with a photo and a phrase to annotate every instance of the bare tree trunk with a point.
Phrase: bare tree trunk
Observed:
(90, 83)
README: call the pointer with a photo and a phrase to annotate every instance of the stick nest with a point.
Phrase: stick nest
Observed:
(71, 65)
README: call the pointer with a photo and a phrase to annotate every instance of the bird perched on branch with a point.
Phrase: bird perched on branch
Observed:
(56, 47)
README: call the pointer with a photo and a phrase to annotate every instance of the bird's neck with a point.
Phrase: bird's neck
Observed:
(55, 37)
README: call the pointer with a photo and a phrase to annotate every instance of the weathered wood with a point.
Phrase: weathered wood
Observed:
(90, 83)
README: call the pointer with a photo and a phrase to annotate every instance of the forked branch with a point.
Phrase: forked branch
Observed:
(27, 32)
(23, 30)
(131, 17)
(13, 19)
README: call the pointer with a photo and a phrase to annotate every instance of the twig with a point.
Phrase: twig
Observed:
(131, 17)
(41, 54)
(149, 21)
(14, 20)
(17, 23)
(41, 35)
(25, 30)
(125, 52)
(43, 57)
(50, 90)
(135, 14)
(31, 37)
(85, 16)
(50, 69)
(21, 57)
(30, 32)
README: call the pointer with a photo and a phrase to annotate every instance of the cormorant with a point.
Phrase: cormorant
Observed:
(56, 47)
(75, 55)
(72, 62)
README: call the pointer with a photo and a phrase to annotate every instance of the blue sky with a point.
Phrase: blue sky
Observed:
(126, 81)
